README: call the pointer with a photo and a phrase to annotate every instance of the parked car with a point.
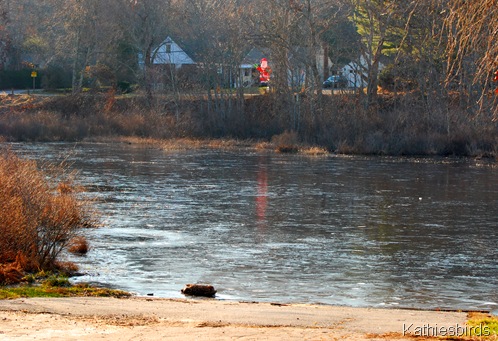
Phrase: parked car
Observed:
(335, 81)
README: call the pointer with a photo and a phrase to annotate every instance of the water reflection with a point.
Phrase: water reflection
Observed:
(357, 231)
(262, 198)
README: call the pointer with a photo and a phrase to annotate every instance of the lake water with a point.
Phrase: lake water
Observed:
(358, 231)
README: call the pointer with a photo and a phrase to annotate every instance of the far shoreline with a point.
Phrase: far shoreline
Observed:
(181, 144)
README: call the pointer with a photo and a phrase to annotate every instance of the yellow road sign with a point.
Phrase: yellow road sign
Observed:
(34, 74)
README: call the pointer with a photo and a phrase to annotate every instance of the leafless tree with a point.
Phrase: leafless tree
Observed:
(295, 31)
(218, 33)
(472, 49)
(83, 35)
(19, 30)
(143, 25)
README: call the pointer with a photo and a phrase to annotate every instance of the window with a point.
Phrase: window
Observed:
(168, 48)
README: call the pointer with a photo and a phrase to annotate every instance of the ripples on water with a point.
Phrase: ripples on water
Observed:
(350, 231)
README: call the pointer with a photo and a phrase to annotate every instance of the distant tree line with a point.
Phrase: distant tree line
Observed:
(435, 57)
(425, 44)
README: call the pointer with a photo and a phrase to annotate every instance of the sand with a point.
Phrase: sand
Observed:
(143, 318)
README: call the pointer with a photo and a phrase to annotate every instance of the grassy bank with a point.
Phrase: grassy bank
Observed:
(78, 290)
(483, 326)
(49, 284)
(401, 125)
(283, 143)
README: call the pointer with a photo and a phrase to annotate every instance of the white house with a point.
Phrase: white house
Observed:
(299, 66)
(355, 73)
(170, 65)
(170, 53)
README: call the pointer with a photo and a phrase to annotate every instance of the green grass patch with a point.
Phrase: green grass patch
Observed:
(56, 281)
(55, 285)
(484, 326)
(78, 290)
(27, 291)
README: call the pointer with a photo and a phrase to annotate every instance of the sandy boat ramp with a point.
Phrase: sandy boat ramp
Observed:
(143, 318)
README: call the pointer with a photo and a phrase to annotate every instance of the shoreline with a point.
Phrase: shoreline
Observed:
(87, 116)
(182, 144)
(145, 318)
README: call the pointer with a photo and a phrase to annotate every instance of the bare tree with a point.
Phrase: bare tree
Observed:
(4, 33)
(218, 32)
(318, 17)
(144, 24)
(295, 31)
(472, 48)
(277, 29)
(19, 31)
(84, 35)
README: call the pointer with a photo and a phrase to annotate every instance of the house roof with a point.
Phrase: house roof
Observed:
(254, 56)
(169, 52)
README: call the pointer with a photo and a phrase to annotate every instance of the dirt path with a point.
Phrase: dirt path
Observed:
(165, 319)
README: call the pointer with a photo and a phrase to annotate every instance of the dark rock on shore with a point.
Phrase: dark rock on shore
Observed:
(199, 290)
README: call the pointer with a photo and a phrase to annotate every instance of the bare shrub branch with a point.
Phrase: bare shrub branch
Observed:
(38, 218)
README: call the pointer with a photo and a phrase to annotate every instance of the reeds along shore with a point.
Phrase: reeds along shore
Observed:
(40, 217)
(406, 124)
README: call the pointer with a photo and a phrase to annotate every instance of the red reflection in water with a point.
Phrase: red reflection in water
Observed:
(262, 197)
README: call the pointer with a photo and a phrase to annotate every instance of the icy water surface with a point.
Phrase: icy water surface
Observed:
(358, 231)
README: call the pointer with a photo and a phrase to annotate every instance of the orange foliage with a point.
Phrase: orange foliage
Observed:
(37, 219)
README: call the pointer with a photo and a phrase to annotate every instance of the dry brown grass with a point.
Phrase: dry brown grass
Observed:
(191, 143)
(287, 138)
(12, 272)
(39, 217)
(402, 123)
(79, 245)
(287, 149)
(314, 151)
(286, 142)
(19, 102)
(262, 146)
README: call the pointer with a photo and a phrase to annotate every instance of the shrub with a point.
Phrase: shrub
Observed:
(40, 221)
(286, 142)
(79, 245)
(287, 149)
(285, 138)
(404, 123)
(10, 273)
